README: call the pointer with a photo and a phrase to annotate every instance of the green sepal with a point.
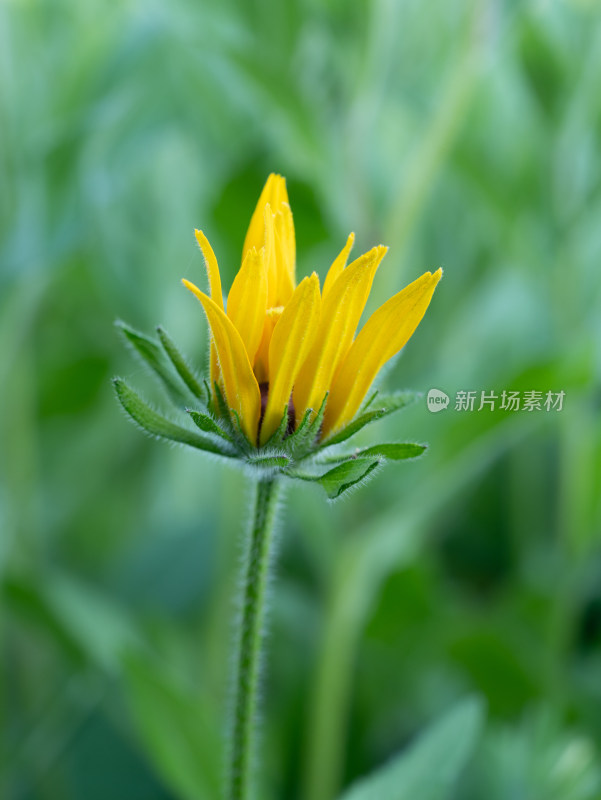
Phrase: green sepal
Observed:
(366, 403)
(301, 441)
(267, 460)
(223, 412)
(392, 451)
(207, 424)
(241, 436)
(210, 398)
(180, 364)
(339, 480)
(155, 424)
(230, 419)
(152, 355)
(384, 405)
(278, 436)
(299, 432)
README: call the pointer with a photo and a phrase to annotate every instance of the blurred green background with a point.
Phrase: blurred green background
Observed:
(464, 135)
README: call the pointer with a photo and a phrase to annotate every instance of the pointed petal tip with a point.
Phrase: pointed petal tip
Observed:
(312, 282)
(379, 251)
(193, 288)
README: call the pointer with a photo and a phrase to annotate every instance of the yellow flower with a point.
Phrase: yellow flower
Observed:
(279, 346)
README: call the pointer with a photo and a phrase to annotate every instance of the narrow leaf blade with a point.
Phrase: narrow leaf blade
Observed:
(153, 357)
(380, 406)
(428, 769)
(155, 424)
(180, 364)
(392, 451)
(339, 480)
(188, 755)
(207, 424)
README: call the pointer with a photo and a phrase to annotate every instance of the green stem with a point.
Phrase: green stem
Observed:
(250, 639)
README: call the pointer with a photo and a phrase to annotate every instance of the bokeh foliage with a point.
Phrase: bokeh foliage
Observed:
(464, 135)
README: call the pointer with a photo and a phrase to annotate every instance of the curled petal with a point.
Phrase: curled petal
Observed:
(211, 267)
(216, 292)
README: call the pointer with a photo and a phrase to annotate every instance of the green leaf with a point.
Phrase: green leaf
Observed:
(339, 480)
(152, 355)
(383, 405)
(83, 622)
(176, 727)
(152, 422)
(179, 362)
(429, 768)
(207, 424)
(394, 451)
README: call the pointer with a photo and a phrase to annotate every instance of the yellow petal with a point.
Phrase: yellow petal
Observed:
(261, 365)
(340, 314)
(270, 256)
(383, 335)
(247, 301)
(338, 264)
(274, 192)
(216, 294)
(239, 383)
(211, 267)
(286, 253)
(291, 342)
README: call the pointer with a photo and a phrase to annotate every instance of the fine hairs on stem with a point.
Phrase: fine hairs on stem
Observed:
(249, 636)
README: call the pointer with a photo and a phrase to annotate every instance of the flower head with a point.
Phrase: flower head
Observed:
(288, 376)
(279, 349)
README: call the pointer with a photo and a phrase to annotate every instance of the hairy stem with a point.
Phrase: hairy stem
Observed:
(250, 639)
